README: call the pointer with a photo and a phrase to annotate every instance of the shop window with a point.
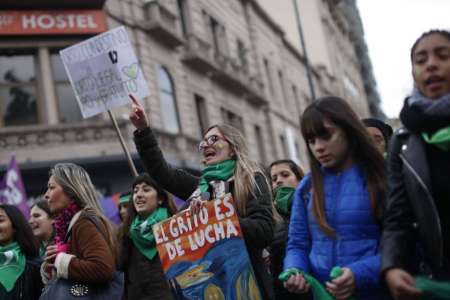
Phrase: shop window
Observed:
(18, 90)
(69, 110)
(169, 112)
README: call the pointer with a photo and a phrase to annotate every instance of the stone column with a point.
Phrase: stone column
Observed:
(49, 110)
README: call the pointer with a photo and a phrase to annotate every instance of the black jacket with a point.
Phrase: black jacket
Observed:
(28, 286)
(144, 278)
(257, 225)
(277, 252)
(411, 215)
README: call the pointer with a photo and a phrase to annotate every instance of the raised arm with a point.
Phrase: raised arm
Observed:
(174, 180)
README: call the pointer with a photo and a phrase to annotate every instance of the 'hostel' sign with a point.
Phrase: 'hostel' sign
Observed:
(31, 22)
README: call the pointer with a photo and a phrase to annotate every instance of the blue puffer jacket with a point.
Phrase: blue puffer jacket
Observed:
(349, 213)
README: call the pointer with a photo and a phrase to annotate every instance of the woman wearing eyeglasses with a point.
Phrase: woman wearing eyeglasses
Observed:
(228, 168)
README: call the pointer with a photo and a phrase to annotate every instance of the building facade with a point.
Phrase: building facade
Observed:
(205, 61)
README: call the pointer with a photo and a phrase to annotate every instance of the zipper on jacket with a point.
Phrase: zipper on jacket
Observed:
(430, 198)
(333, 239)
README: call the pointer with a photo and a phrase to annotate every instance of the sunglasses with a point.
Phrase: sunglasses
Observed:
(210, 141)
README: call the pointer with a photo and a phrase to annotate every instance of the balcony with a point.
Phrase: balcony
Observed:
(162, 24)
(30, 137)
(237, 79)
(198, 55)
(224, 70)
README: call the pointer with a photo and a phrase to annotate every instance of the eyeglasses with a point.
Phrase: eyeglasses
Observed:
(209, 141)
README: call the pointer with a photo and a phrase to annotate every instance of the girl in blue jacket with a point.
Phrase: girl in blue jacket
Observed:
(337, 207)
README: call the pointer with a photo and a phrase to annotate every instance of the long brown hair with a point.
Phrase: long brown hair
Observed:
(363, 150)
(77, 185)
(246, 168)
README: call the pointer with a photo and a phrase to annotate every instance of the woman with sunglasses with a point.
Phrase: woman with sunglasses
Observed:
(228, 168)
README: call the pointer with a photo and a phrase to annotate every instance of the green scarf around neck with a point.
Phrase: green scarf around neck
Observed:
(219, 171)
(440, 139)
(317, 288)
(141, 232)
(12, 265)
(284, 195)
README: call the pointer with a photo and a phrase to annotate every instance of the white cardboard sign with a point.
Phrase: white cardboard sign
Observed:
(103, 70)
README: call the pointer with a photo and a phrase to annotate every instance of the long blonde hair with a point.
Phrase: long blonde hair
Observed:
(246, 168)
(77, 185)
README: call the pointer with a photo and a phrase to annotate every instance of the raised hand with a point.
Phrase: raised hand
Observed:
(196, 205)
(137, 115)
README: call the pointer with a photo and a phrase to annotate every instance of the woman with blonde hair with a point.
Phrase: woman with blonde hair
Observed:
(228, 168)
(85, 248)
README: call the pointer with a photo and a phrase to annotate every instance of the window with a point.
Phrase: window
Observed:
(183, 18)
(242, 55)
(169, 112)
(283, 92)
(261, 147)
(69, 110)
(296, 99)
(202, 114)
(350, 87)
(284, 147)
(18, 90)
(297, 149)
(232, 119)
(217, 34)
(268, 76)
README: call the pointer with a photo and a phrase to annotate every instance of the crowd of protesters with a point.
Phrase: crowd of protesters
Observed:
(368, 221)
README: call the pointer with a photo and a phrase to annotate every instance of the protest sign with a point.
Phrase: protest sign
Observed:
(204, 255)
(12, 189)
(103, 71)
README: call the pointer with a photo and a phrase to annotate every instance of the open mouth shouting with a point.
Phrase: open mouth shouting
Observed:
(209, 154)
(140, 203)
(435, 86)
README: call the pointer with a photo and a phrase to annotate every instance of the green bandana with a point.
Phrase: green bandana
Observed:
(433, 289)
(12, 265)
(440, 139)
(283, 199)
(124, 199)
(141, 232)
(317, 288)
(220, 171)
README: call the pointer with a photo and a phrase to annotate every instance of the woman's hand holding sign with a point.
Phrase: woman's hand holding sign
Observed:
(137, 114)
